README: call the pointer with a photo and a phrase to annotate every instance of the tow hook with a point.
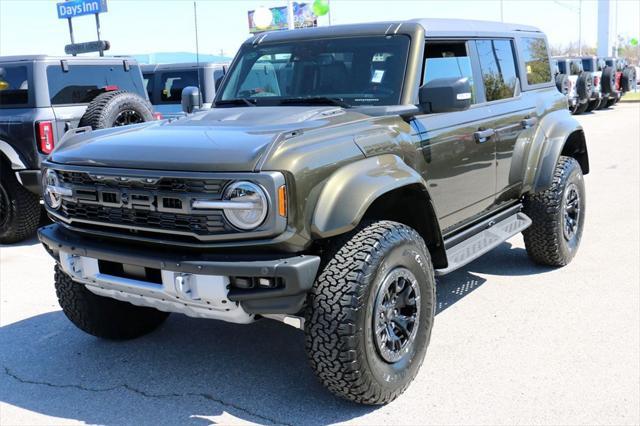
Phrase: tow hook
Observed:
(183, 285)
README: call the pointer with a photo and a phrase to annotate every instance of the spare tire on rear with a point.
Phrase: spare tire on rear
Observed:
(628, 79)
(113, 109)
(563, 84)
(584, 86)
(608, 80)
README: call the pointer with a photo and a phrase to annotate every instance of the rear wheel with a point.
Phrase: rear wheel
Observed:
(557, 216)
(19, 208)
(102, 316)
(370, 313)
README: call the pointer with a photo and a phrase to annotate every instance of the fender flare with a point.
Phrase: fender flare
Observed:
(352, 189)
(555, 131)
(12, 155)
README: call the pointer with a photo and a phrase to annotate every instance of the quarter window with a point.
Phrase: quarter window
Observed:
(172, 84)
(498, 68)
(536, 60)
(447, 60)
(14, 87)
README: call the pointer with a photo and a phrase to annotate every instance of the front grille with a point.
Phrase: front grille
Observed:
(197, 224)
(165, 184)
(111, 201)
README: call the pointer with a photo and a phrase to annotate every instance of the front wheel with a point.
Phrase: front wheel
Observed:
(101, 316)
(370, 313)
(557, 216)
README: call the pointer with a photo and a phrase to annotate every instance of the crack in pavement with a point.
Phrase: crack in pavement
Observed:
(145, 394)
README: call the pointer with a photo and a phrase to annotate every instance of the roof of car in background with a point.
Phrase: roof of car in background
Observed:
(432, 28)
(181, 65)
(31, 58)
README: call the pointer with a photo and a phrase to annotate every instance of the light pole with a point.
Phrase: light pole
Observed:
(292, 25)
(580, 28)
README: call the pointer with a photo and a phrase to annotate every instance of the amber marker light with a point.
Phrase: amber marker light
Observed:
(282, 201)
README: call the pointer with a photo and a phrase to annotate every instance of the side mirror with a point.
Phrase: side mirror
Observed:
(190, 99)
(445, 95)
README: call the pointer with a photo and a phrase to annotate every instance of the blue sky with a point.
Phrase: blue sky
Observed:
(140, 26)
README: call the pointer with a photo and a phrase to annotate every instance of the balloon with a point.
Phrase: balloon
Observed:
(320, 7)
(262, 17)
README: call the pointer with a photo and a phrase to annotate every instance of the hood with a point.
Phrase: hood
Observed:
(220, 139)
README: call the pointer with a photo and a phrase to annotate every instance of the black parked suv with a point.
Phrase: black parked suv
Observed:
(41, 98)
(580, 83)
(340, 171)
(165, 82)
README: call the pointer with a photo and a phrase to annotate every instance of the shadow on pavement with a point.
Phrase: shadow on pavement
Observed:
(191, 370)
(28, 242)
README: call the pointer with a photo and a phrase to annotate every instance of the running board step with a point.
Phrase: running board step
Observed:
(478, 244)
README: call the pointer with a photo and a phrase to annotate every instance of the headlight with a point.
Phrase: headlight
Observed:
(248, 205)
(50, 186)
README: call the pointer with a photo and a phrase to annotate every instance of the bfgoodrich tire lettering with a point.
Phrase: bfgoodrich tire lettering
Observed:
(101, 316)
(546, 241)
(339, 329)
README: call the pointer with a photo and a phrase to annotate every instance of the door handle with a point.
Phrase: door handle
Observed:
(528, 122)
(481, 136)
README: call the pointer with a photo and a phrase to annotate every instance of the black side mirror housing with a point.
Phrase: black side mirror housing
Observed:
(190, 99)
(445, 95)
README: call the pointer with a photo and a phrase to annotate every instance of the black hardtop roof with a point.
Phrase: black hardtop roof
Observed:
(69, 59)
(181, 65)
(433, 28)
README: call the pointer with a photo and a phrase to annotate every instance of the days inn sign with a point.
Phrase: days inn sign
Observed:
(75, 8)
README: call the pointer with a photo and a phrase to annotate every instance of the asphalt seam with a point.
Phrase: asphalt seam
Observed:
(145, 394)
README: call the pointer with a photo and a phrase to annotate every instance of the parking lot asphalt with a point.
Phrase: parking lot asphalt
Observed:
(513, 343)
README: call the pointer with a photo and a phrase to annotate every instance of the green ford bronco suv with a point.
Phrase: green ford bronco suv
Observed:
(341, 170)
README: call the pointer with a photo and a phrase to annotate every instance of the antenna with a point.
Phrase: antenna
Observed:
(195, 21)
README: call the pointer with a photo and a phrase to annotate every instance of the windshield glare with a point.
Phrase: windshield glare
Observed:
(356, 70)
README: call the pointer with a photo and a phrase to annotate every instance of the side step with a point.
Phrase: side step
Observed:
(484, 240)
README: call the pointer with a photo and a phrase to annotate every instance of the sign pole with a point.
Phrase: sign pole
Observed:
(98, 31)
(71, 32)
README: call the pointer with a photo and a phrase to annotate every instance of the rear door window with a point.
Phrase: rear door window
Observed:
(82, 83)
(536, 60)
(14, 86)
(172, 83)
(575, 67)
(498, 67)
(448, 60)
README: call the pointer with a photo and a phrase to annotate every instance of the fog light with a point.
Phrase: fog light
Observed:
(266, 282)
(242, 282)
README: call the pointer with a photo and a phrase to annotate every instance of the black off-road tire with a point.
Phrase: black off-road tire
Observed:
(562, 83)
(608, 80)
(545, 239)
(584, 86)
(102, 316)
(339, 333)
(105, 109)
(606, 103)
(628, 79)
(19, 208)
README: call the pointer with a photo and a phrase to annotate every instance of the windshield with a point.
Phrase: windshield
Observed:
(352, 71)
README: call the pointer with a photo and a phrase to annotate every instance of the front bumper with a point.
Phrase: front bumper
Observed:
(194, 284)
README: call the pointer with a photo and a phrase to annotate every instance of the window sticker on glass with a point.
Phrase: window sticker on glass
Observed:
(377, 76)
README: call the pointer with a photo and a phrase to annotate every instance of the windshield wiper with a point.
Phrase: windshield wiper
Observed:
(315, 100)
(238, 101)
